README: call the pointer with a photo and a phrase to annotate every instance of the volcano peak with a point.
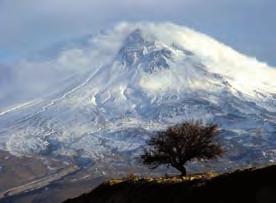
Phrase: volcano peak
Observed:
(151, 55)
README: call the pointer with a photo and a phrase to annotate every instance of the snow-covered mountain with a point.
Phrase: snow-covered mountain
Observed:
(141, 78)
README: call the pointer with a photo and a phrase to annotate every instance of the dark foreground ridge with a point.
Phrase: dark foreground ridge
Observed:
(242, 186)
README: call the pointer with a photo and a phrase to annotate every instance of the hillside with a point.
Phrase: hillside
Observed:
(250, 185)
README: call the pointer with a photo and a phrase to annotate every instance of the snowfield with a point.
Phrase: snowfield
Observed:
(141, 78)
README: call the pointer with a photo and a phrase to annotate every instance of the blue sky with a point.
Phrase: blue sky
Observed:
(27, 26)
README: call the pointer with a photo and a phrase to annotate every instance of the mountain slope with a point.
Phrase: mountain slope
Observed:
(145, 78)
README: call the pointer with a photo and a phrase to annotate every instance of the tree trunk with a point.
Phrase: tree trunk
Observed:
(182, 169)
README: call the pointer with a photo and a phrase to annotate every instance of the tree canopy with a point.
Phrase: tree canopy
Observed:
(182, 143)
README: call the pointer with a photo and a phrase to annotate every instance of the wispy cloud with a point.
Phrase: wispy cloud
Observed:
(37, 77)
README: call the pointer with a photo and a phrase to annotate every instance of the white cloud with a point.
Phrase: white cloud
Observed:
(29, 78)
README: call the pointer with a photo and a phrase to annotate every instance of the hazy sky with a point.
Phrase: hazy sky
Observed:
(30, 25)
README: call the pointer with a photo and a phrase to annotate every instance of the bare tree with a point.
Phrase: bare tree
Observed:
(182, 143)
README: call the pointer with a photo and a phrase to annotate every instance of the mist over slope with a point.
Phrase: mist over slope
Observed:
(138, 78)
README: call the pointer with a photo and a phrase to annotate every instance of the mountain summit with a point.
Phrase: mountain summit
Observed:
(145, 77)
(136, 51)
